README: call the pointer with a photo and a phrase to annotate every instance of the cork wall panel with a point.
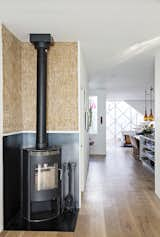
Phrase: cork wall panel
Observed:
(62, 87)
(19, 85)
(12, 91)
(28, 65)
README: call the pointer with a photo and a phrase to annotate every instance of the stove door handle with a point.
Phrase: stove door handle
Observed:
(60, 174)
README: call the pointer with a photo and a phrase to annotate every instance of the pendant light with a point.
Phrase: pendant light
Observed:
(151, 117)
(145, 113)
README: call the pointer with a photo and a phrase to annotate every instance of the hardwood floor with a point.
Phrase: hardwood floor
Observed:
(119, 201)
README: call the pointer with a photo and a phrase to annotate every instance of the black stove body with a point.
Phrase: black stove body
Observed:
(41, 192)
(41, 165)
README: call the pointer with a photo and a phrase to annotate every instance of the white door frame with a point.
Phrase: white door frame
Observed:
(157, 124)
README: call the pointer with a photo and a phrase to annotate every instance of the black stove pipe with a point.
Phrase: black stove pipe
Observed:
(41, 43)
(41, 136)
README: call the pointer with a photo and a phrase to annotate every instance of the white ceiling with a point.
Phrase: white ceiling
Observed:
(118, 38)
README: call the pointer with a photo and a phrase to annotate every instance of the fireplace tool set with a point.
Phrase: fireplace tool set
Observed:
(69, 197)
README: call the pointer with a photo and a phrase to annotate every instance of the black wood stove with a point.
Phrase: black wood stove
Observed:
(41, 165)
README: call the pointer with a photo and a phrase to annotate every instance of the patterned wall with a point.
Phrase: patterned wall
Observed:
(62, 87)
(12, 90)
(19, 68)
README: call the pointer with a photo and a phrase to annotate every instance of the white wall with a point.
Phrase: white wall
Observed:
(157, 124)
(138, 105)
(1, 132)
(84, 139)
(99, 147)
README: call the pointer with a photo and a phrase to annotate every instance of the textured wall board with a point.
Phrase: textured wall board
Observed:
(19, 95)
(62, 85)
(12, 103)
(29, 64)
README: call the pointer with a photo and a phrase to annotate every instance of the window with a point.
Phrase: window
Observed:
(93, 114)
(120, 116)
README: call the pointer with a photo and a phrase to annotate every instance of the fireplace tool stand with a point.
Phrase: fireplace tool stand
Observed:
(69, 200)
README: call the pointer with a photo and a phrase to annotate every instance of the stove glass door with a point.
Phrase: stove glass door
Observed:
(46, 176)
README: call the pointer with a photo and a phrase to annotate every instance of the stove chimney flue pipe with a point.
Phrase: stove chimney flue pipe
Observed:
(42, 43)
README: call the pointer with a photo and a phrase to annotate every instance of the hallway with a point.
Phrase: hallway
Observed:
(120, 197)
(119, 200)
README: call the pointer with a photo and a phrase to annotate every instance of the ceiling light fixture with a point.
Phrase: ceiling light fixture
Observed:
(145, 112)
(151, 117)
